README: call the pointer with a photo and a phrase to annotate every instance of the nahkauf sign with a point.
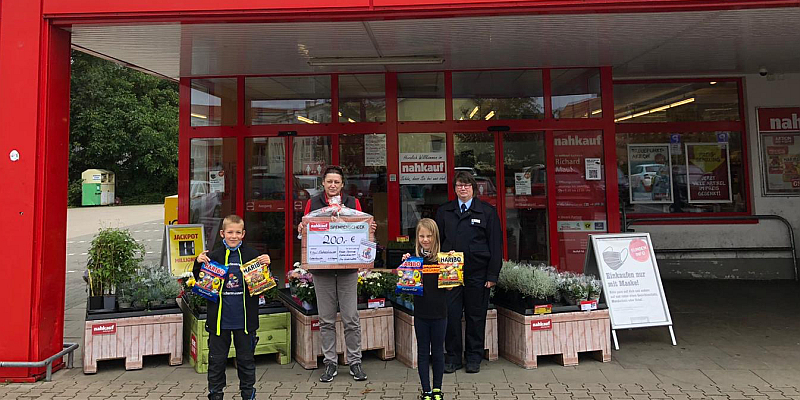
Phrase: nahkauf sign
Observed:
(632, 286)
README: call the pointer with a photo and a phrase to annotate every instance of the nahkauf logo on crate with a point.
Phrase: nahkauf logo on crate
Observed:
(104, 329)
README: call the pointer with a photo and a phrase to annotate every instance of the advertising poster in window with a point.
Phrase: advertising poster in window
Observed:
(779, 129)
(650, 173)
(708, 170)
(423, 168)
(580, 202)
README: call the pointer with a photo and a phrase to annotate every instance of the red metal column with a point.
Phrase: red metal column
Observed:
(610, 150)
(36, 69)
(184, 148)
(392, 156)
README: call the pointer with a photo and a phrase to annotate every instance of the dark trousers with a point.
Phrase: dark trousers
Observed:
(471, 301)
(218, 348)
(430, 350)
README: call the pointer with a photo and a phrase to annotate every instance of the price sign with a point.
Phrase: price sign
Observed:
(335, 242)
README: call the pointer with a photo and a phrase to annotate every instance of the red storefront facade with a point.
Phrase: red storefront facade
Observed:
(35, 39)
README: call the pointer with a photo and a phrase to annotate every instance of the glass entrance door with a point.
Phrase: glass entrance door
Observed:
(309, 157)
(525, 188)
(265, 199)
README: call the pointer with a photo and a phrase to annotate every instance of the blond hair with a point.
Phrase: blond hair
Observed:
(232, 219)
(431, 226)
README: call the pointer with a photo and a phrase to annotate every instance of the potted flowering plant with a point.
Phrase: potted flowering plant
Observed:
(301, 285)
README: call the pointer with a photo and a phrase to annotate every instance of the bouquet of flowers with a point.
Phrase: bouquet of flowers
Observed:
(301, 284)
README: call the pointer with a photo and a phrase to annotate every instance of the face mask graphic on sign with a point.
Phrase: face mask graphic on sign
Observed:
(614, 259)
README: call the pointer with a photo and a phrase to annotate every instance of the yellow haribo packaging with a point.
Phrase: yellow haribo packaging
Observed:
(258, 277)
(451, 269)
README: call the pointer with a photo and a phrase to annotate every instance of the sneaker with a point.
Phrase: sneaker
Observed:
(358, 372)
(426, 396)
(437, 394)
(473, 368)
(450, 368)
(249, 394)
(330, 372)
(216, 396)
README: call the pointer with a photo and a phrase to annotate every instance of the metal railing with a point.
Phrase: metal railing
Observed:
(791, 248)
(68, 349)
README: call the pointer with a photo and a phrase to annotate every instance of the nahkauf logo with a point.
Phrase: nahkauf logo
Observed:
(104, 329)
(542, 325)
(318, 226)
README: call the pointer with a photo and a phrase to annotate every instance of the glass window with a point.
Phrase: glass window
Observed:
(365, 179)
(676, 102)
(525, 189)
(423, 178)
(690, 172)
(576, 93)
(214, 102)
(362, 98)
(498, 95)
(420, 96)
(212, 184)
(474, 153)
(265, 199)
(288, 100)
(310, 156)
(580, 194)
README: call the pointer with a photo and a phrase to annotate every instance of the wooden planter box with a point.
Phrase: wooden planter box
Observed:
(131, 336)
(274, 333)
(406, 339)
(377, 333)
(525, 337)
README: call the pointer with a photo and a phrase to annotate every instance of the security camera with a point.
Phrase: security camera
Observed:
(763, 71)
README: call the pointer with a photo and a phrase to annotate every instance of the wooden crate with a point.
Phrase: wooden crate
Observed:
(274, 337)
(406, 339)
(570, 333)
(132, 338)
(377, 333)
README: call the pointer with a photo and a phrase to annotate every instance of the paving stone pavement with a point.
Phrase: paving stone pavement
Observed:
(93, 389)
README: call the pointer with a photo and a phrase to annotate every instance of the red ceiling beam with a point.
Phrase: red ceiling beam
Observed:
(212, 11)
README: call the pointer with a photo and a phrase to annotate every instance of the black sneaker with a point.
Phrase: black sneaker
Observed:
(473, 368)
(450, 368)
(330, 372)
(216, 396)
(358, 372)
(437, 394)
(426, 396)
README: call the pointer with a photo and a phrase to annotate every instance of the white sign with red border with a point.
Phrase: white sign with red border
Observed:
(423, 168)
(627, 266)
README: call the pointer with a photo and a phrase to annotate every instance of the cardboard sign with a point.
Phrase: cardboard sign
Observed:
(182, 244)
(376, 303)
(632, 286)
(543, 309)
(193, 347)
(104, 329)
(542, 325)
(343, 243)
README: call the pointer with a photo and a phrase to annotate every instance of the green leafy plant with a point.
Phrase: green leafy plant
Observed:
(114, 256)
(533, 282)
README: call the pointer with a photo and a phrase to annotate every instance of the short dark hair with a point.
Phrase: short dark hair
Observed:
(333, 169)
(465, 177)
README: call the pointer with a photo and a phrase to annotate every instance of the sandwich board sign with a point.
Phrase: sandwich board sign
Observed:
(626, 264)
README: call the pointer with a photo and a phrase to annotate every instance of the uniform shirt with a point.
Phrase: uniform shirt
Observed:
(233, 295)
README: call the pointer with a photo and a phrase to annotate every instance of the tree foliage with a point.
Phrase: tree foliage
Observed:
(127, 122)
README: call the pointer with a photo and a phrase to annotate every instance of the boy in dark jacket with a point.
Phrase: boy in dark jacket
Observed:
(236, 313)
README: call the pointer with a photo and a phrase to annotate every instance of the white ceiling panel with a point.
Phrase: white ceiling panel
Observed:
(635, 44)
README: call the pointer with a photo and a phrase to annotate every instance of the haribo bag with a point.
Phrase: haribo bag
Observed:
(209, 282)
(410, 276)
(258, 277)
(451, 269)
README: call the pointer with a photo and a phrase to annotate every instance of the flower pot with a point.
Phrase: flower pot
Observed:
(110, 302)
(95, 302)
(123, 305)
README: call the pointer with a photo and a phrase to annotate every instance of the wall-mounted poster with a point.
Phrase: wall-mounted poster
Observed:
(650, 173)
(423, 168)
(779, 129)
(708, 169)
(375, 150)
